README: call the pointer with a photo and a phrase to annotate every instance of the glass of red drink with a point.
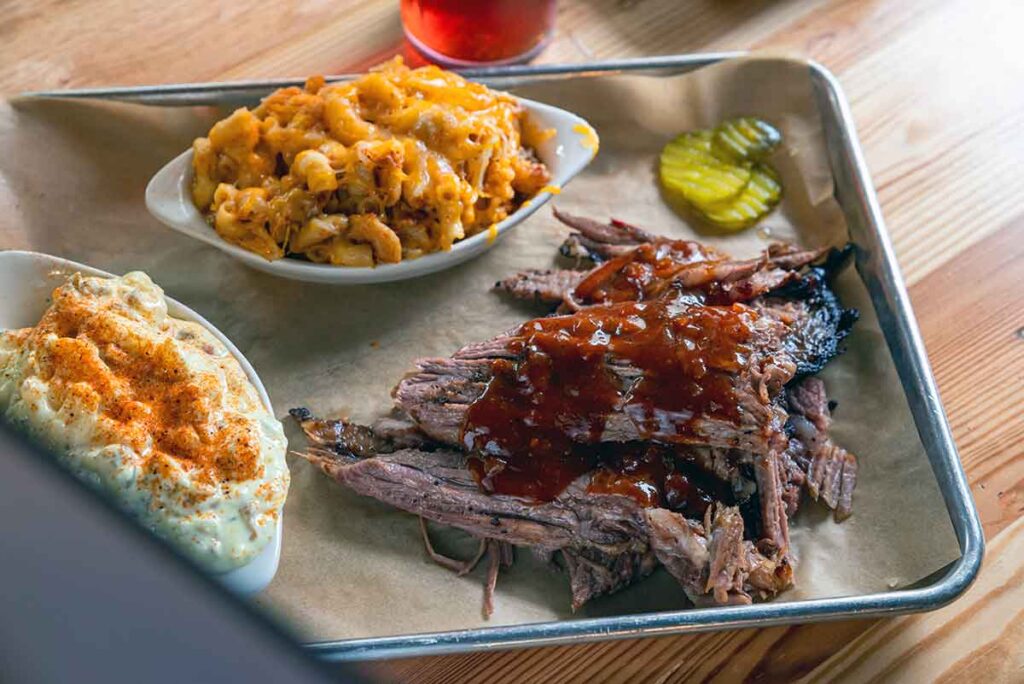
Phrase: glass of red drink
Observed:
(474, 32)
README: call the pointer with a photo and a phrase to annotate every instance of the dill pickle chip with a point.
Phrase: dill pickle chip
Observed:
(690, 170)
(756, 200)
(746, 139)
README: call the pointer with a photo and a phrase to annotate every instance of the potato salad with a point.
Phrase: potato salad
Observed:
(153, 410)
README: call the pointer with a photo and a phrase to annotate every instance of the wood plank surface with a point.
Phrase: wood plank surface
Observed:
(935, 90)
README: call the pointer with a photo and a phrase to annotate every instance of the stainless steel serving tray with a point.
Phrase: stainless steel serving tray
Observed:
(877, 268)
(876, 265)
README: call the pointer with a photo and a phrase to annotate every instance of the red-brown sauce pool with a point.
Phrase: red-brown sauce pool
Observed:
(658, 365)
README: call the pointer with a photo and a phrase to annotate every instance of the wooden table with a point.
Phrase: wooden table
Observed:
(936, 90)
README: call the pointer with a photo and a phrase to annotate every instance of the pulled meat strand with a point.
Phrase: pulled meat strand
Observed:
(460, 568)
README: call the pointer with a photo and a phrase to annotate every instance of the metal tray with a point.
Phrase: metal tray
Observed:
(877, 268)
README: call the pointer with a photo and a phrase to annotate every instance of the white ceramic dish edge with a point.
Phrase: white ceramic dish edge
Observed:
(574, 145)
(26, 282)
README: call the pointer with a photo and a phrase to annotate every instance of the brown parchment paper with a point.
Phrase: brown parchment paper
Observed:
(72, 177)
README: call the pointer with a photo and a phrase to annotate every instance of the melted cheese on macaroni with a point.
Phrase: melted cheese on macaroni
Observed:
(396, 164)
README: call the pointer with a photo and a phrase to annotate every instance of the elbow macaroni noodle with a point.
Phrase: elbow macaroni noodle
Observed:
(394, 165)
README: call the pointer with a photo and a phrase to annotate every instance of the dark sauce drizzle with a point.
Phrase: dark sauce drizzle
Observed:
(539, 424)
(642, 273)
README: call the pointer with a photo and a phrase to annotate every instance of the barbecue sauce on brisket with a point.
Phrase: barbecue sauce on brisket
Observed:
(659, 364)
(641, 273)
(663, 268)
(657, 475)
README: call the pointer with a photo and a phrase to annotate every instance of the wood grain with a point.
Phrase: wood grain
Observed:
(971, 318)
(935, 90)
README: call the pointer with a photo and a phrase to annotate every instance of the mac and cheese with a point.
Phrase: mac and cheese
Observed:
(396, 164)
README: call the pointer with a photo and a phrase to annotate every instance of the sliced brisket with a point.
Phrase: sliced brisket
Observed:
(439, 392)
(603, 538)
(606, 541)
(437, 485)
(668, 420)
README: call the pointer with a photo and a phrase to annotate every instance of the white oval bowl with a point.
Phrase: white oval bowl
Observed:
(27, 280)
(169, 200)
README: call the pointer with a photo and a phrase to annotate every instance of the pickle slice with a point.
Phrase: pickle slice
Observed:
(689, 169)
(746, 139)
(758, 198)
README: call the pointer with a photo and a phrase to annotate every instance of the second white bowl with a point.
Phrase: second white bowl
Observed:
(27, 279)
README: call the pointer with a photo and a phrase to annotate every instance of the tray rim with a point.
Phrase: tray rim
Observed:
(876, 264)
